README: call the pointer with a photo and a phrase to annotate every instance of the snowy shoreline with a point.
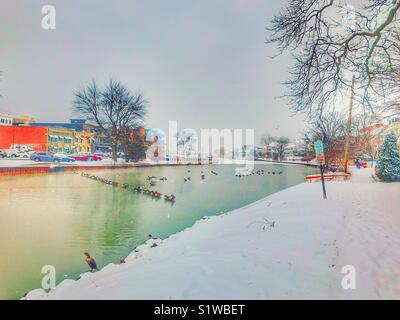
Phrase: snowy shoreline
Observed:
(242, 255)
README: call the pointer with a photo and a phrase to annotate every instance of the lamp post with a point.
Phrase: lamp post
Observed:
(347, 142)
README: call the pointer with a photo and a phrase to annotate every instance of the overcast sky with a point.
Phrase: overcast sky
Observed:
(203, 63)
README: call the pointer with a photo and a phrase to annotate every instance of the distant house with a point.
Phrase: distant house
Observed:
(391, 119)
(84, 141)
(375, 129)
(23, 120)
(6, 119)
(297, 149)
(387, 123)
(394, 126)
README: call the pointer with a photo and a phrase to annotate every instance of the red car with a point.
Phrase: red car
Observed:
(85, 157)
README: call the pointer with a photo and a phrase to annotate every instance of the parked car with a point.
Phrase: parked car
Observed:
(85, 157)
(103, 155)
(25, 155)
(3, 154)
(15, 153)
(362, 164)
(60, 157)
(11, 153)
(43, 157)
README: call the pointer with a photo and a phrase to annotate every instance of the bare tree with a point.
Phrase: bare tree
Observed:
(328, 51)
(185, 140)
(114, 110)
(277, 152)
(331, 130)
(392, 103)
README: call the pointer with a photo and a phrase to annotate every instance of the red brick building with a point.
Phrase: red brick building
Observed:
(33, 137)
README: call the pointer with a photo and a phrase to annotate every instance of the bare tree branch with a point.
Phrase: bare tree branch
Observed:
(327, 52)
(114, 109)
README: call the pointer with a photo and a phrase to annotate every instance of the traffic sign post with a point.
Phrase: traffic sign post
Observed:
(319, 147)
(323, 181)
(319, 151)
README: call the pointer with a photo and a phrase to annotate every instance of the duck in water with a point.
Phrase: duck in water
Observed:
(170, 198)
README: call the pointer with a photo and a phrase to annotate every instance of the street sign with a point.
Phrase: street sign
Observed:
(319, 147)
(319, 153)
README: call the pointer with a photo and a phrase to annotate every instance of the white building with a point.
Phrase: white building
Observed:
(391, 119)
(296, 149)
(6, 119)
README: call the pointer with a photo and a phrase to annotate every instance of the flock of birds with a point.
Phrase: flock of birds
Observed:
(260, 172)
(125, 186)
(203, 176)
(152, 182)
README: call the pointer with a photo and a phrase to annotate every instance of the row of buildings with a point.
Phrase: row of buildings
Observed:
(378, 128)
(294, 150)
(366, 141)
(23, 134)
(10, 120)
(387, 123)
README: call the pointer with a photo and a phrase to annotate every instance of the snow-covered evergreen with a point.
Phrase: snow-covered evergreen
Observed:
(388, 166)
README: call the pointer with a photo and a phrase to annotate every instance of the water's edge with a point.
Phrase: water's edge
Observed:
(206, 219)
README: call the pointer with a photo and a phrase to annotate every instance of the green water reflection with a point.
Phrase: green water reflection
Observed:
(52, 219)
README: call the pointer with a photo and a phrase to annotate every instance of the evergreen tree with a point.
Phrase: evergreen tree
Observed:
(388, 165)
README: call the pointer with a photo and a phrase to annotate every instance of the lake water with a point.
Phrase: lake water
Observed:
(52, 219)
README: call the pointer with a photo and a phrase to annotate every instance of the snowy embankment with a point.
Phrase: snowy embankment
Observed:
(241, 256)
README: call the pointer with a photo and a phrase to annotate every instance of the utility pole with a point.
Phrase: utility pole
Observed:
(347, 142)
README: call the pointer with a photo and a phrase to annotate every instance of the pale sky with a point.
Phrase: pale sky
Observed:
(203, 63)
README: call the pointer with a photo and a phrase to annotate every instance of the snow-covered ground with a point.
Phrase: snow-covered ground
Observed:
(240, 256)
